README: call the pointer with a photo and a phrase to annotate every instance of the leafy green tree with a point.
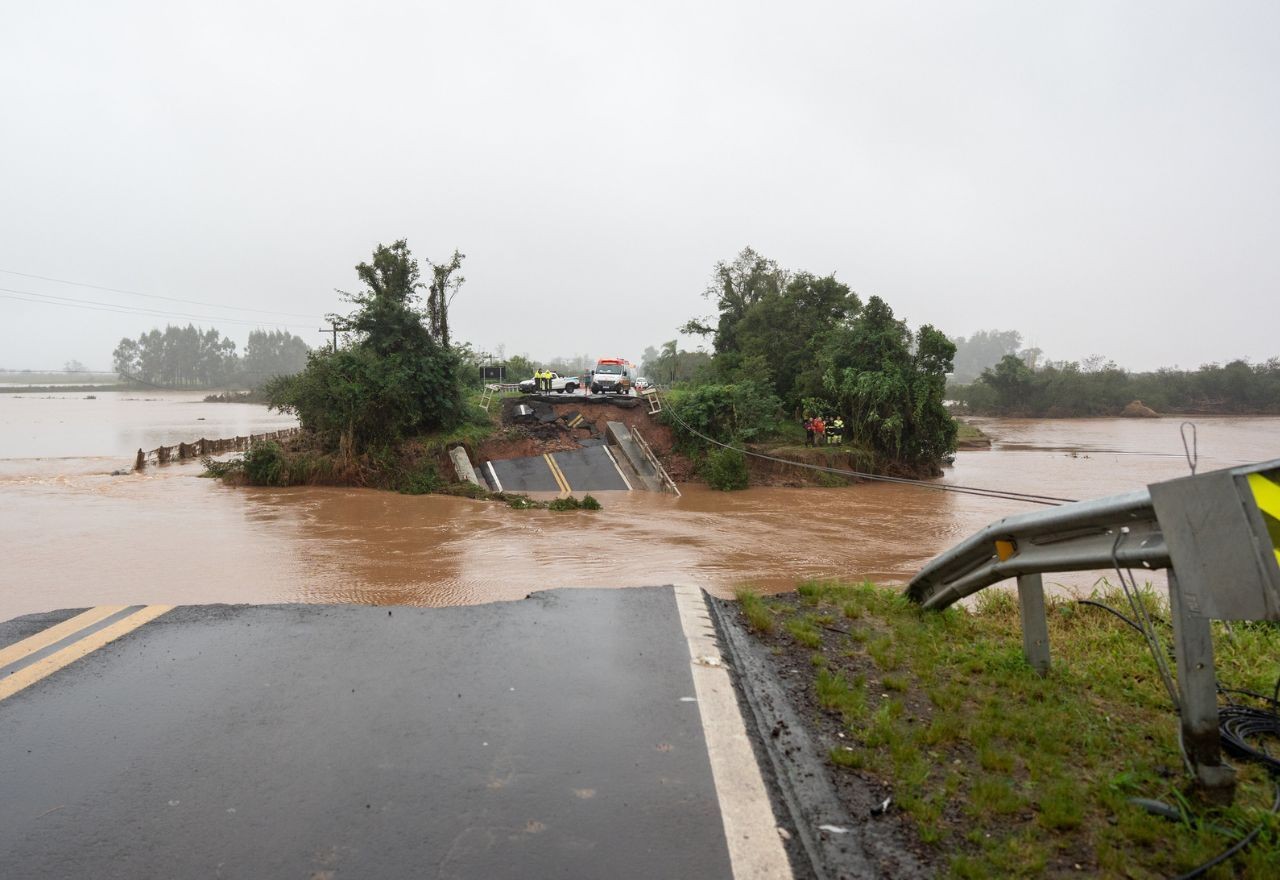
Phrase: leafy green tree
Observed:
(1012, 382)
(784, 332)
(890, 386)
(735, 287)
(392, 379)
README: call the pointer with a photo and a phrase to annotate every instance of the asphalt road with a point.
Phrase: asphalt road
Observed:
(560, 736)
(582, 470)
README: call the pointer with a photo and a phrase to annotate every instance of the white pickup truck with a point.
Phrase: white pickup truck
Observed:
(559, 384)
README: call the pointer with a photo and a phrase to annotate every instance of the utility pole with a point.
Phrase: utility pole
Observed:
(336, 326)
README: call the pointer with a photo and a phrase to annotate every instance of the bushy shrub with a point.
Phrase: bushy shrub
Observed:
(725, 469)
(264, 465)
(741, 411)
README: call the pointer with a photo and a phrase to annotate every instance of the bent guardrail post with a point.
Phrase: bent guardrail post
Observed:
(1217, 534)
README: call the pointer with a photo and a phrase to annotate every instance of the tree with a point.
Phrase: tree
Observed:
(392, 380)
(444, 287)
(177, 357)
(673, 364)
(782, 334)
(124, 360)
(981, 350)
(735, 287)
(890, 386)
(271, 353)
(1011, 379)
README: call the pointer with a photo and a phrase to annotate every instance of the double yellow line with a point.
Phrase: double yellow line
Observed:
(25, 676)
(561, 481)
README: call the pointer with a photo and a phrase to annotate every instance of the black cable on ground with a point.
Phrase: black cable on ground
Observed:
(1001, 494)
(1201, 870)
(1237, 725)
(1105, 607)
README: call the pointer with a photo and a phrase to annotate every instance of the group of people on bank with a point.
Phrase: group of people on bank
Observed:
(819, 431)
(543, 380)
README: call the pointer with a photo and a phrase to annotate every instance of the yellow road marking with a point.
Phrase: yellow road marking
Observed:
(56, 633)
(46, 666)
(555, 472)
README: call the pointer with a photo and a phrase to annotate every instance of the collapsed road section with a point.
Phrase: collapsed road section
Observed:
(569, 447)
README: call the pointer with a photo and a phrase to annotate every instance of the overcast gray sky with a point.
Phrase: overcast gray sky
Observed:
(1103, 177)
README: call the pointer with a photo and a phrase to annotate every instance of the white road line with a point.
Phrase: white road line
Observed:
(494, 474)
(625, 481)
(750, 828)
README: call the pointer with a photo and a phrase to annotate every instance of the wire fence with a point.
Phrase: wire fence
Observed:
(202, 447)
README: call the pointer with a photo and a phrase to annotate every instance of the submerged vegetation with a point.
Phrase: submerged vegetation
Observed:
(1001, 772)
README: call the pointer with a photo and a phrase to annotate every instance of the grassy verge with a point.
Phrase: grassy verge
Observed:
(1001, 772)
(966, 433)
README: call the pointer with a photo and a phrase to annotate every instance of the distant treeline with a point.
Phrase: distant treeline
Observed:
(187, 357)
(1063, 390)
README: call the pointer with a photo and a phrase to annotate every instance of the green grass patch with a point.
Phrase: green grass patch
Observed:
(1003, 772)
(758, 615)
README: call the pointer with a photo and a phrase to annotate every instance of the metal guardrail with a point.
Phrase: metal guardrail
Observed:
(493, 389)
(1081, 536)
(667, 482)
(1216, 534)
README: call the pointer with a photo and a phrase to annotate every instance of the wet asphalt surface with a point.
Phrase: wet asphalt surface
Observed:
(585, 470)
(551, 737)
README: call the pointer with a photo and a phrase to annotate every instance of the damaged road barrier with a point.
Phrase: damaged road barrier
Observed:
(1217, 534)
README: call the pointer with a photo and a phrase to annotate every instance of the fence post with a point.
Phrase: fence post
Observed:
(1035, 627)
(141, 461)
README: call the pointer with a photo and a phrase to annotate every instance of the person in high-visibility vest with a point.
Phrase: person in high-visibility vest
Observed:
(837, 431)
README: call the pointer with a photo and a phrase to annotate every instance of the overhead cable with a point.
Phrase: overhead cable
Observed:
(1047, 500)
(193, 302)
(117, 308)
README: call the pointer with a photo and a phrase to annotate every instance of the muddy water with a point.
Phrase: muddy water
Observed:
(73, 535)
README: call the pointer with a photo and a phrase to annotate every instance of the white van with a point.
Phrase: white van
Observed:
(613, 376)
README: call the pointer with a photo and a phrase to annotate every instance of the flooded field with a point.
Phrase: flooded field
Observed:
(73, 535)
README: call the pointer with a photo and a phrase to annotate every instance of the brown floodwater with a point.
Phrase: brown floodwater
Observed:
(73, 535)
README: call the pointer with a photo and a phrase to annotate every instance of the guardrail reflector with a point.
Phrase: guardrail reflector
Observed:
(1005, 550)
(1266, 494)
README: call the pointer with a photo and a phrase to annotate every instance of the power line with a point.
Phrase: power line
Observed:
(50, 299)
(193, 302)
(1047, 500)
